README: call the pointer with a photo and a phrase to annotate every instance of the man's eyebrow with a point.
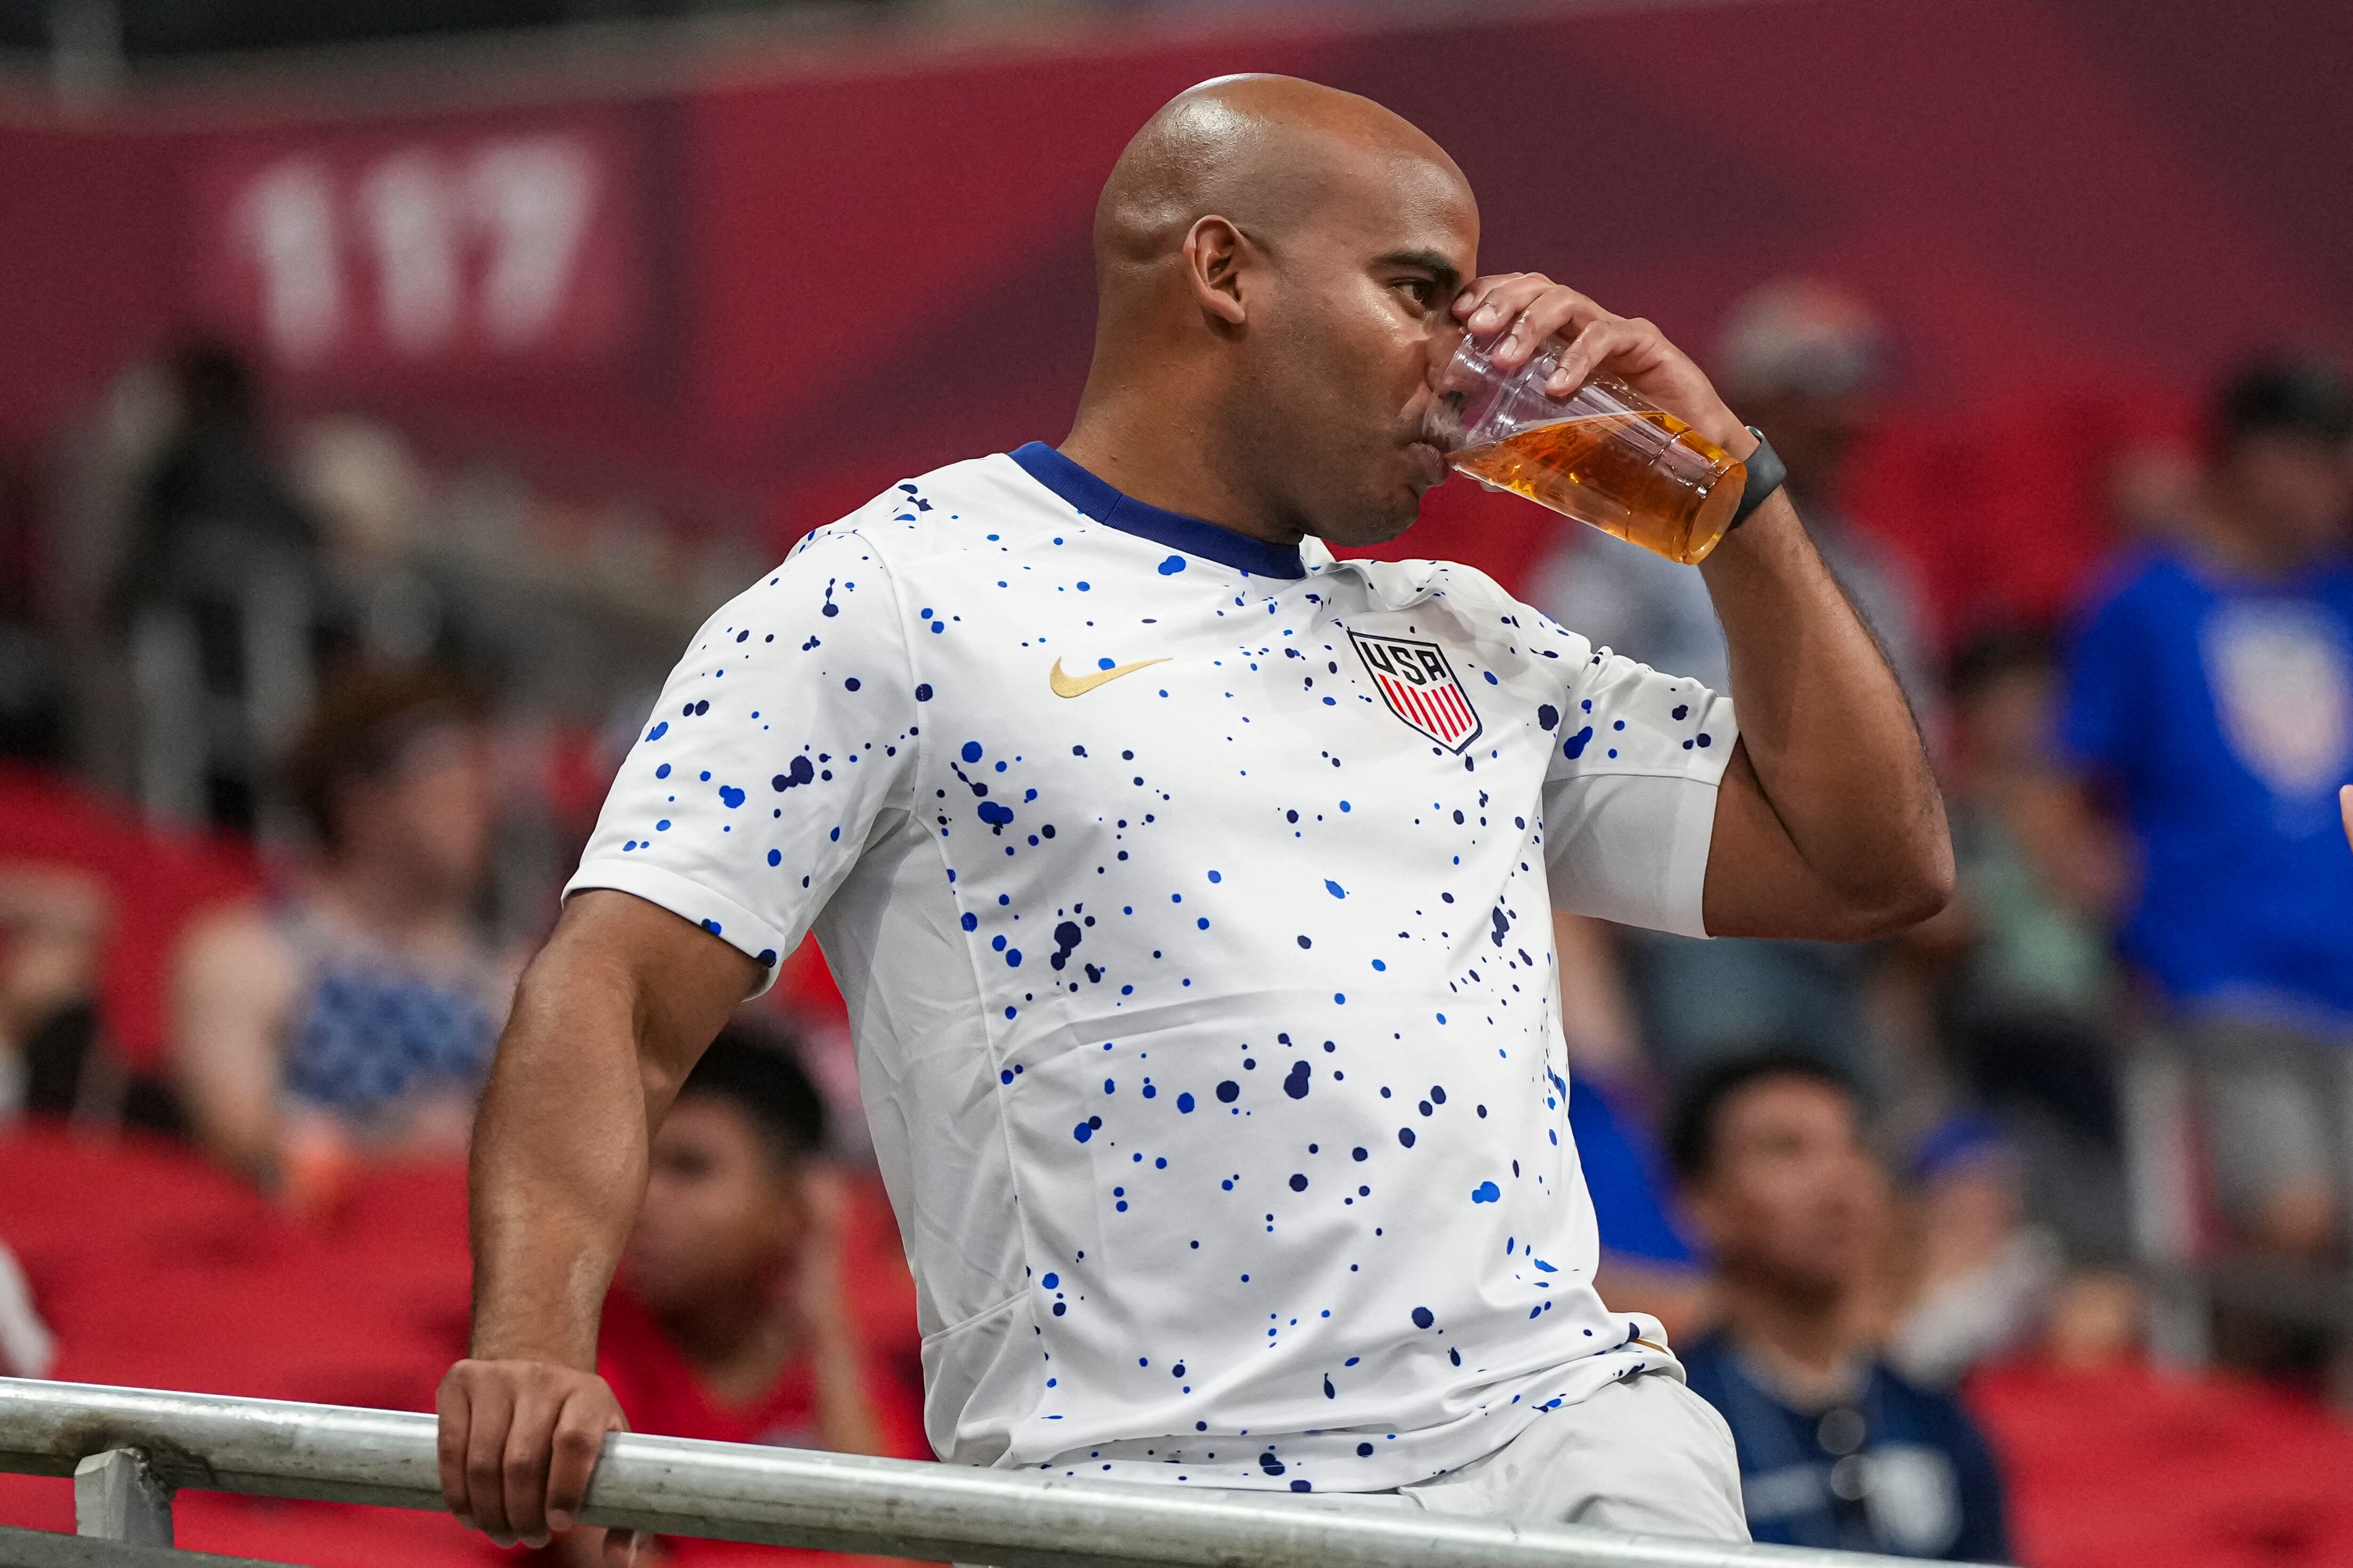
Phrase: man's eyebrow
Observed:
(1429, 261)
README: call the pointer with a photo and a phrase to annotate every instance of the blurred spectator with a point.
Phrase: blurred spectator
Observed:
(225, 597)
(1985, 1276)
(55, 918)
(2026, 1004)
(729, 1322)
(32, 696)
(52, 916)
(215, 470)
(52, 922)
(2045, 876)
(356, 1018)
(1837, 1450)
(2211, 697)
(1804, 361)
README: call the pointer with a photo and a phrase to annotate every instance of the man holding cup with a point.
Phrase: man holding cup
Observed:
(1189, 888)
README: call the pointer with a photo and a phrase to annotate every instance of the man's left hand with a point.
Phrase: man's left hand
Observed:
(1529, 307)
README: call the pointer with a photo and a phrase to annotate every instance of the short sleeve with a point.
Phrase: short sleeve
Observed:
(784, 734)
(1630, 800)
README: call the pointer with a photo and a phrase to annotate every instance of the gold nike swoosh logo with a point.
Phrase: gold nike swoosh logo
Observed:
(1080, 685)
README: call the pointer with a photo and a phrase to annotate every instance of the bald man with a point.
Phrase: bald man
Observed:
(1190, 888)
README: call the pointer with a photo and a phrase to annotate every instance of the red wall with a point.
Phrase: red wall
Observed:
(837, 274)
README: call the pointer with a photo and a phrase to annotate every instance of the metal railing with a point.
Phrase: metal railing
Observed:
(128, 1449)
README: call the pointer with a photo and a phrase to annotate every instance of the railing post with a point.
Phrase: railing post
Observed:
(118, 1498)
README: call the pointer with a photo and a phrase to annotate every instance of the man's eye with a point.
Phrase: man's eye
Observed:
(1422, 289)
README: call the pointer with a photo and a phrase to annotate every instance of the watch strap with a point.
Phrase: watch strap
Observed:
(1765, 475)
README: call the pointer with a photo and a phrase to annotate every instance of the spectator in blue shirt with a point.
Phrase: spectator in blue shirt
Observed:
(1836, 1449)
(2211, 699)
(2211, 692)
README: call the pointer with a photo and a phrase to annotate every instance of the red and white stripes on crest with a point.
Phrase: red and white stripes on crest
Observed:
(1436, 709)
(1440, 709)
(1420, 686)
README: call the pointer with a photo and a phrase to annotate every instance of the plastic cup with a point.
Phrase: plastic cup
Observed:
(1601, 454)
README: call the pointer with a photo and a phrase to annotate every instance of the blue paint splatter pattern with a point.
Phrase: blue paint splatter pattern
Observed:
(1207, 1011)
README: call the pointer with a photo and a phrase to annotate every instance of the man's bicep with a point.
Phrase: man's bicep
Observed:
(1757, 884)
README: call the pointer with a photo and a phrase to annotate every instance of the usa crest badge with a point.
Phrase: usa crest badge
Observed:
(1419, 685)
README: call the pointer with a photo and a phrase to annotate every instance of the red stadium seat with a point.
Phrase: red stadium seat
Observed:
(2132, 1468)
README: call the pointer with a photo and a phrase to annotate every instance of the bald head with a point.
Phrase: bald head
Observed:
(1267, 152)
(1274, 260)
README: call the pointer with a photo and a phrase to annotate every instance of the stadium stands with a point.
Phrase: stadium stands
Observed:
(2072, 219)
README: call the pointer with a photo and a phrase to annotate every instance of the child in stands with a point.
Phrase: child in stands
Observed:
(728, 1320)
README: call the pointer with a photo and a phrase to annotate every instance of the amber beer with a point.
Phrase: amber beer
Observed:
(1601, 454)
(1674, 497)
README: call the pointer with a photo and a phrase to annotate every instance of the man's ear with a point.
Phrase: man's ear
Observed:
(1215, 255)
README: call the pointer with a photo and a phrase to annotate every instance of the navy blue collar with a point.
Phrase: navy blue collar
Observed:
(1095, 499)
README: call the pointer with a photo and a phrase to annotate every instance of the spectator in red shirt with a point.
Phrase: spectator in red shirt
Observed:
(728, 1322)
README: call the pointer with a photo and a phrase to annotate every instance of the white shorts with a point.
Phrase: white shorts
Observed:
(1644, 1457)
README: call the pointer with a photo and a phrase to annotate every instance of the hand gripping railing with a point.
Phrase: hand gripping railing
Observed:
(128, 1449)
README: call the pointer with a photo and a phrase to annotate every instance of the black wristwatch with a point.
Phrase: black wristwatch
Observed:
(1765, 475)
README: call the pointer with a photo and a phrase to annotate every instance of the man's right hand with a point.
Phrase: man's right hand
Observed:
(519, 1441)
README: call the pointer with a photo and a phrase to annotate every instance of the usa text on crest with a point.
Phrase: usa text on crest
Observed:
(1419, 686)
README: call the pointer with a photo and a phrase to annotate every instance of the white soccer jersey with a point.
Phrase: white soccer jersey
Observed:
(1188, 894)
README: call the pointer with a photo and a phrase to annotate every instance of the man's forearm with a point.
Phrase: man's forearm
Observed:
(1825, 725)
(608, 1022)
(559, 1162)
(592, 1057)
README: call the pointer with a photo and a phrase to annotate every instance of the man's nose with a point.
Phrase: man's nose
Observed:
(1445, 335)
